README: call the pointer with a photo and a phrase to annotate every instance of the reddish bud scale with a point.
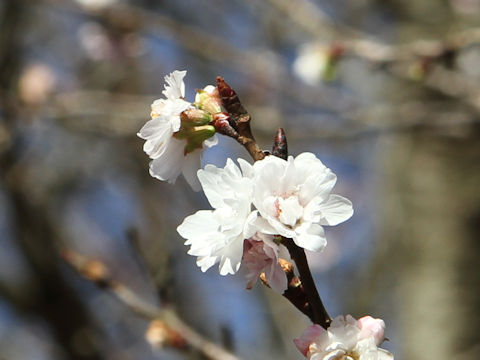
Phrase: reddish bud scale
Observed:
(230, 100)
(222, 125)
(280, 147)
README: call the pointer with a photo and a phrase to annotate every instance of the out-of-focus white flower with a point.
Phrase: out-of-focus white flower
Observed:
(311, 62)
(175, 146)
(293, 196)
(37, 82)
(217, 236)
(317, 62)
(261, 255)
(345, 339)
(95, 5)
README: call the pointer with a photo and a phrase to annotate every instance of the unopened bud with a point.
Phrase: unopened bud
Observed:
(195, 117)
(195, 136)
(221, 121)
(209, 100)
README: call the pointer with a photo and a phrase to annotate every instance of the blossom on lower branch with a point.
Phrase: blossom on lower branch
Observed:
(345, 339)
(177, 133)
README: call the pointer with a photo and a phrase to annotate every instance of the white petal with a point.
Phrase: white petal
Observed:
(155, 147)
(190, 167)
(384, 355)
(202, 223)
(224, 185)
(290, 210)
(175, 87)
(281, 229)
(168, 165)
(260, 224)
(336, 210)
(211, 178)
(249, 227)
(335, 355)
(206, 262)
(232, 257)
(318, 184)
(247, 168)
(176, 106)
(310, 236)
(212, 141)
(152, 127)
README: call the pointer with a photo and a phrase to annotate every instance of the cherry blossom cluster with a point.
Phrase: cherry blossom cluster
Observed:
(345, 339)
(257, 209)
(258, 204)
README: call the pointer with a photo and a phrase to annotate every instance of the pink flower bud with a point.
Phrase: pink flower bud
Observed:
(372, 327)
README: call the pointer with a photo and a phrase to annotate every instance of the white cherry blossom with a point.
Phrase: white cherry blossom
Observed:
(345, 339)
(294, 197)
(168, 154)
(217, 236)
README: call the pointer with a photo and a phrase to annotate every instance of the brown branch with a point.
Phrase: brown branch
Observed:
(320, 315)
(96, 272)
(295, 292)
(239, 119)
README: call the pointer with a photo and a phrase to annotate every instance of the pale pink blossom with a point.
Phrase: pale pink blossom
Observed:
(261, 255)
(345, 339)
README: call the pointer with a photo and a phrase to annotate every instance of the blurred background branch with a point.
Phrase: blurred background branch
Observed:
(96, 272)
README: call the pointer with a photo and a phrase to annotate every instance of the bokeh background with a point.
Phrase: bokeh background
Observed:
(385, 92)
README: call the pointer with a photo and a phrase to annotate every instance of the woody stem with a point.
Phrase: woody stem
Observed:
(319, 313)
